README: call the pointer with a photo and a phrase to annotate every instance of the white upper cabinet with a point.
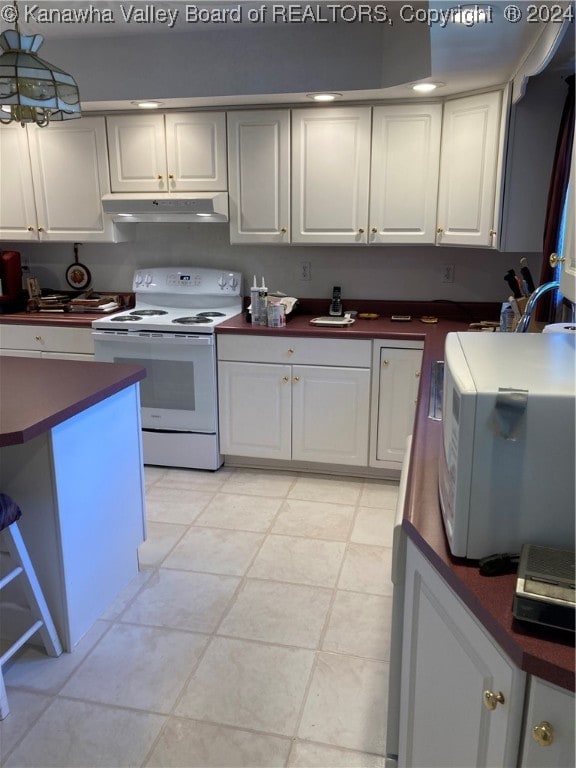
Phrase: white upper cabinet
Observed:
(259, 169)
(404, 173)
(182, 152)
(330, 172)
(52, 180)
(470, 170)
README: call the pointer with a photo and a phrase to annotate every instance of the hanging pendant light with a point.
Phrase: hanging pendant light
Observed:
(31, 90)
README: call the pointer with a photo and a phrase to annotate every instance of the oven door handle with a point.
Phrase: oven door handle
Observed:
(143, 338)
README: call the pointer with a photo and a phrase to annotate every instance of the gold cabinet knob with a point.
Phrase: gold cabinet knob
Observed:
(159, 177)
(290, 351)
(440, 230)
(491, 699)
(554, 260)
(170, 175)
(543, 733)
(30, 229)
(417, 374)
(40, 229)
(385, 362)
(296, 378)
(374, 230)
(285, 379)
(492, 232)
(360, 231)
(283, 230)
(38, 338)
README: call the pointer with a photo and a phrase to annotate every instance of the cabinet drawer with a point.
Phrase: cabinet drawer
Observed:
(47, 338)
(295, 350)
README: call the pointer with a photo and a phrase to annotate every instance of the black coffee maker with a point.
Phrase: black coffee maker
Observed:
(12, 297)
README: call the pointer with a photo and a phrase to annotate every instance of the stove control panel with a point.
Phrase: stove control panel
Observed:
(188, 280)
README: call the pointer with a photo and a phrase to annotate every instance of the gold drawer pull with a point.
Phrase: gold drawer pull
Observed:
(491, 699)
(554, 260)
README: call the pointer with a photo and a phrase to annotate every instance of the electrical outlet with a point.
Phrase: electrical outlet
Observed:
(305, 270)
(447, 274)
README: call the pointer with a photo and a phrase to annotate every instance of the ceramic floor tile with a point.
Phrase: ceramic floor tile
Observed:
(249, 685)
(367, 569)
(360, 625)
(314, 518)
(301, 561)
(182, 600)
(195, 479)
(127, 595)
(171, 505)
(329, 489)
(256, 482)
(381, 494)
(153, 474)
(161, 538)
(201, 745)
(244, 513)
(374, 525)
(215, 550)
(25, 709)
(288, 614)
(140, 667)
(33, 669)
(75, 734)
(347, 703)
(308, 755)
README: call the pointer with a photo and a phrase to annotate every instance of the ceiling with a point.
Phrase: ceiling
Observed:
(274, 53)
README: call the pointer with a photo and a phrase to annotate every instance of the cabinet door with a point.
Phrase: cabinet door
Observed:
(549, 727)
(254, 409)
(137, 150)
(449, 664)
(70, 171)
(404, 173)
(196, 152)
(18, 219)
(330, 175)
(259, 165)
(395, 392)
(471, 158)
(330, 414)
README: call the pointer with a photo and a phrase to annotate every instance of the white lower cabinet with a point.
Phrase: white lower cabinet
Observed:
(395, 381)
(463, 702)
(275, 404)
(549, 727)
(450, 670)
(46, 341)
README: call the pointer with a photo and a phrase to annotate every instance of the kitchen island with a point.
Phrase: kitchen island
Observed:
(71, 457)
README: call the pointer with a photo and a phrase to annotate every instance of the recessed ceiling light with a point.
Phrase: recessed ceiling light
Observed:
(324, 96)
(148, 104)
(426, 87)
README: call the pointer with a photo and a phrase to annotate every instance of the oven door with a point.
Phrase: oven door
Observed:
(179, 391)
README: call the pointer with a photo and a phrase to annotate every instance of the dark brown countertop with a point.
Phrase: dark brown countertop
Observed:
(546, 654)
(58, 319)
(37, 394)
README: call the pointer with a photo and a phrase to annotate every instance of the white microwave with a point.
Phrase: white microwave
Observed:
(507, 462)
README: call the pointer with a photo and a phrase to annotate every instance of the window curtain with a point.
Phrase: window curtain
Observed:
(555, 205)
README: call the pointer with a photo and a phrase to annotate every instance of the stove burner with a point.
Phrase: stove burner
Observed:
(127, 318)
(211, 314)
(149, 312)
(192, 320)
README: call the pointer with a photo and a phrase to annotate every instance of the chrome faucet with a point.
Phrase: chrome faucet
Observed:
(524, 321)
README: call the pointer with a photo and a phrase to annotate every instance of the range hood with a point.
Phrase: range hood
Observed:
(167, 207)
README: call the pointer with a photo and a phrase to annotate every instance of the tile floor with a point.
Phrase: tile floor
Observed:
(256, 634)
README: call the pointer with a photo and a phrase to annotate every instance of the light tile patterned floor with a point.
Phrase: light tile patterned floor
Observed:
(257, 634)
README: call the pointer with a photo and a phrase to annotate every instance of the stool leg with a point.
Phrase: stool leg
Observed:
(32, 589)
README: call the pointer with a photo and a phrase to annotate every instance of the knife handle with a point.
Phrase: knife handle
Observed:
(510, 278)
(525, 272)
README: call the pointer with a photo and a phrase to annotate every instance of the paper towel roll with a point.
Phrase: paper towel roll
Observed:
(560, 328)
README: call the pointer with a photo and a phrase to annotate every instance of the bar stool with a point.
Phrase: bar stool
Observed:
(22, 566)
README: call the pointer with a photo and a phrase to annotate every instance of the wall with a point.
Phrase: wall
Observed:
(371, 272)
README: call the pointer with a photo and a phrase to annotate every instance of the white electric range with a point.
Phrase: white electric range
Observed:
(170, 332)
